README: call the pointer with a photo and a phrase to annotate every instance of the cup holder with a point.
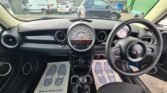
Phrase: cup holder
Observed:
(89, 79)
(74, 79)
(5, 69)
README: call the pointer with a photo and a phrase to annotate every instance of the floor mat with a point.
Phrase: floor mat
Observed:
(103, 73)
(155, 85)
(55, 78)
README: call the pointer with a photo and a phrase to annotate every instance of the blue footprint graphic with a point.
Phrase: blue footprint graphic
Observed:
(48, 80)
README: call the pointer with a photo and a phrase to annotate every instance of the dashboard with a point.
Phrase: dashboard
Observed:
(61, 36)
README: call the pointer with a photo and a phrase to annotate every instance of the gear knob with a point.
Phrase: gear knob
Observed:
(83, 80)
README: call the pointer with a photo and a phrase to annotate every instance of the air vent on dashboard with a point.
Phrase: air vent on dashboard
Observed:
(101, 36)
(60, 36)
(9, 41)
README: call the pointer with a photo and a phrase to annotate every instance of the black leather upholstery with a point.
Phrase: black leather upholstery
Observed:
(119, 87)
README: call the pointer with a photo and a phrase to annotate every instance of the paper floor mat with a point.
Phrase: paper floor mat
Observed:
(53, 87)
(104, 76)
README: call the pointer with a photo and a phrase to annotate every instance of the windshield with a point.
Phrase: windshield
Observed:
(101, 9)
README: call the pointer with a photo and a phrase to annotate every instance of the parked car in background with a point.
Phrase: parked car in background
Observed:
(40, 6)
(98, 9)
(66, 7)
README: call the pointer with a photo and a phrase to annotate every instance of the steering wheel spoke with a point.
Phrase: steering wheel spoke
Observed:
(115, 53)
(151, 49)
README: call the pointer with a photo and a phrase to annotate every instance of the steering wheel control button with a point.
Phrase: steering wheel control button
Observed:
(99, 73)
(48, 80)
(61, 74)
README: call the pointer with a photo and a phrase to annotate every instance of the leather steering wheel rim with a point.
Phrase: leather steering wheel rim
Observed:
(110, 55)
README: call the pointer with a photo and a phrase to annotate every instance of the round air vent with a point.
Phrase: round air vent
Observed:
(101, 36)
(9, 41)
(60, 36)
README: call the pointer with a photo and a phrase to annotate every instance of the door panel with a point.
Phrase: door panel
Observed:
(25, 74)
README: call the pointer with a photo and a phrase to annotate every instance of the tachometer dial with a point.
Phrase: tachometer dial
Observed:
(123, 33)
(81, 37)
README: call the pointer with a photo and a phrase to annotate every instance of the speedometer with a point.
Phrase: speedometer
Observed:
(81, 37)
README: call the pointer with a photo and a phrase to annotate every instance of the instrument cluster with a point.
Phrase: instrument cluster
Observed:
(81, 37)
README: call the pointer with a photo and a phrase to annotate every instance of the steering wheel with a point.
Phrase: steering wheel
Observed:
(133, 49)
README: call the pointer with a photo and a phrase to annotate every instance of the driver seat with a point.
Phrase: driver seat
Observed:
(119, 87)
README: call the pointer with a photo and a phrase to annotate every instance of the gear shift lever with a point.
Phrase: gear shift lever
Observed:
(83, 80)
(81, 84)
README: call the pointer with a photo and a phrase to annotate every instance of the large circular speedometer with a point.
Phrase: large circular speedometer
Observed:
(81, 37)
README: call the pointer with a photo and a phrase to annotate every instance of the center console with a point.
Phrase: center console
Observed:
(81, 78)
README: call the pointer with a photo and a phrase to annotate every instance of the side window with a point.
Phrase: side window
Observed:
(88, 3)
(100, 4)
(163, 23)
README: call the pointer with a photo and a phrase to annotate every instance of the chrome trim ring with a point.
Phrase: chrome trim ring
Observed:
(104, 38)
(6, 45)
(76, 24)
(10, 68)
(57, 37)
